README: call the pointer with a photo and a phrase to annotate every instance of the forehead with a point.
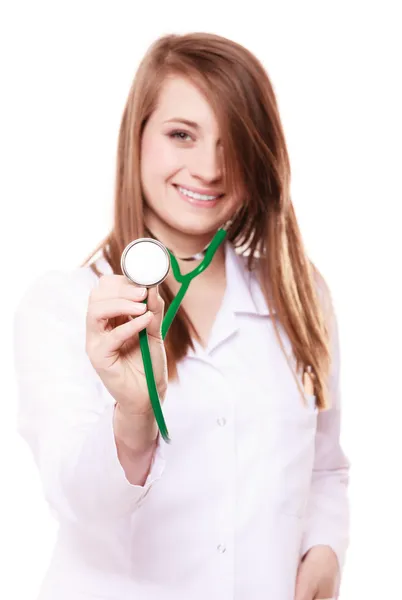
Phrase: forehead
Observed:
(180, 98)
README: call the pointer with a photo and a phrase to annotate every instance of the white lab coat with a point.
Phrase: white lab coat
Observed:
(251, 480)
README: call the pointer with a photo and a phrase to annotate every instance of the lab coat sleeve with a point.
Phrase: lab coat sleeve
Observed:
(64, 414)
(327, 520)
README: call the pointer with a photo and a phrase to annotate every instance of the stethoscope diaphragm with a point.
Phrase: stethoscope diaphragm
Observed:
(145, 262)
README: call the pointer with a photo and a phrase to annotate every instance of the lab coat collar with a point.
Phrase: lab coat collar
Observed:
(242, 287)
(242, 296)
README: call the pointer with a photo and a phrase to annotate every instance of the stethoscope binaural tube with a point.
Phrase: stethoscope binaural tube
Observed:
(146, 262)
(185, 280)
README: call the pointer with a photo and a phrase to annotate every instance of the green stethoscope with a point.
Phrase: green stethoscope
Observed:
(146, 262)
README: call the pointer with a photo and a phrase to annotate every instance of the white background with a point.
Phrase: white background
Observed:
(65, 74)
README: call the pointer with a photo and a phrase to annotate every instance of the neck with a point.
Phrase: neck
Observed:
(181, 244)
(184, 245)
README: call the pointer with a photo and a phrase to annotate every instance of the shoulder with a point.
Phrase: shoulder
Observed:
(61, 292)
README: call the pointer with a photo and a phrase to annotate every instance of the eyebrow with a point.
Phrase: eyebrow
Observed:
(192, 124)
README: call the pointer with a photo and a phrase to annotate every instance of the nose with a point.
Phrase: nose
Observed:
(206, 164)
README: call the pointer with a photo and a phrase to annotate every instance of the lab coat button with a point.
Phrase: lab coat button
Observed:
(221, 421)
(221, 548)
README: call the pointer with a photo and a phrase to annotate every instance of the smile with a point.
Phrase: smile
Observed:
(195, 196)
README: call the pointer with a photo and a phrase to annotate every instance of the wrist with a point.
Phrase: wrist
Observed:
(137, 434)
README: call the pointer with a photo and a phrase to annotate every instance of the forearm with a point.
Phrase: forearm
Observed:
(136, 439)
(68, 421)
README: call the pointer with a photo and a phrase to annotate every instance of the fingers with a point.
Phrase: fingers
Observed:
(116, 338)
(100, 311)
(156, 306)
(115, 296)
(117, 286)
(102, 348)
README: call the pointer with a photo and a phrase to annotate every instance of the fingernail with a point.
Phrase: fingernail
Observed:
(142, 292)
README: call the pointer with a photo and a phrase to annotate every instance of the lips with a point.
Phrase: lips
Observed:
(198, 203)
(202, 191)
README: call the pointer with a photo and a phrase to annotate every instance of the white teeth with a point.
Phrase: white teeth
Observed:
(196, 196)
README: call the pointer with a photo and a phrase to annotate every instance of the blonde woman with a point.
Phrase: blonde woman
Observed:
(249, 500)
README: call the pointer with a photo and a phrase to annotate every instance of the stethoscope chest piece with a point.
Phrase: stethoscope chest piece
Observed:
(145, 262)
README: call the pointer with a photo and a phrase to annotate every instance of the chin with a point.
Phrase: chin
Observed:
(197, 227)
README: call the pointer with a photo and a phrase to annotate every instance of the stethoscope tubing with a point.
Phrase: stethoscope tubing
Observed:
(185, 281)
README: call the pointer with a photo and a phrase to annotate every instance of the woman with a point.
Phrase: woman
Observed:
(249, 500)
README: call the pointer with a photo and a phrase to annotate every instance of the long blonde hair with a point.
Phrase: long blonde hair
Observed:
(256, 159)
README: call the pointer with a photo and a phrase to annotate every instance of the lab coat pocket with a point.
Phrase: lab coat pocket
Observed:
(291, 446)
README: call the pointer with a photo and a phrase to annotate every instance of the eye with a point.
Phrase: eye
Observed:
(180, 135)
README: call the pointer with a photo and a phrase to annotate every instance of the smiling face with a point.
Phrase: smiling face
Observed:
(182, 167)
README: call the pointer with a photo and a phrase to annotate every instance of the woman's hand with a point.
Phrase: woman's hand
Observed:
(318, 575)
(115, 316)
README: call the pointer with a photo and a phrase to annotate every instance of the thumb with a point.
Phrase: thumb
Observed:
(156, 305)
